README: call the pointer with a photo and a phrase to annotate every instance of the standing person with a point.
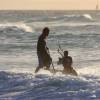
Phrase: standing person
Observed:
(44, 58)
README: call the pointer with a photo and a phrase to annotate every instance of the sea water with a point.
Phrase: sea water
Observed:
(75, 31)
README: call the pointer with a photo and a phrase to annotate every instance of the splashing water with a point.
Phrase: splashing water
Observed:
(88, 16)
(19, 25)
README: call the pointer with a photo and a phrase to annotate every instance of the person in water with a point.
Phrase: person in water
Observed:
(44, 58)
(67, 62)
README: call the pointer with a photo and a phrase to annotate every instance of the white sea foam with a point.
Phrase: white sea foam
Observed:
(88, 16)
(90, 70)
(19, 25)
(41, 86)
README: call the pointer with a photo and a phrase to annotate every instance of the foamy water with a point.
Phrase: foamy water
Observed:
(77, 32)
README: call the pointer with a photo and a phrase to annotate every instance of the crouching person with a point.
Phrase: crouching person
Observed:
(67, 62)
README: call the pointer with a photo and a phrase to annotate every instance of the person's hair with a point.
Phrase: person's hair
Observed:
(65, 53)
(45, 31)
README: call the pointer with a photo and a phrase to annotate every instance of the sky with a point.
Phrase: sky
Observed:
(48, 4)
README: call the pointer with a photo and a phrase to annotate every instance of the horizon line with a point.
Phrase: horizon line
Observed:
(51, 9)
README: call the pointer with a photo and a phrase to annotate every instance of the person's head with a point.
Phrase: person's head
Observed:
(45, 32)
(65, 53)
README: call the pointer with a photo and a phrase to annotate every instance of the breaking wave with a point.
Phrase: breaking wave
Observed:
(77, 17)
(88, 16)
(15, 27)
(27, 86)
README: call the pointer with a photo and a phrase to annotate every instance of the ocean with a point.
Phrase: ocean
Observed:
(75, 31)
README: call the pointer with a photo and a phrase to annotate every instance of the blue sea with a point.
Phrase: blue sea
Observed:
(75, 31)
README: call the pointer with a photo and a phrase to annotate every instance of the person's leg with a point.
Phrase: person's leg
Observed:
(48, 64)
(37, 69)
(47, 67)
(40, 64)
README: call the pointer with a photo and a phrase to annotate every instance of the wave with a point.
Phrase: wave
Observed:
(63, 23)
(71, 17)
(15, 27)
(68, 17)
(73, 20)
(88, 16)
(79, 17)
(25, 86)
